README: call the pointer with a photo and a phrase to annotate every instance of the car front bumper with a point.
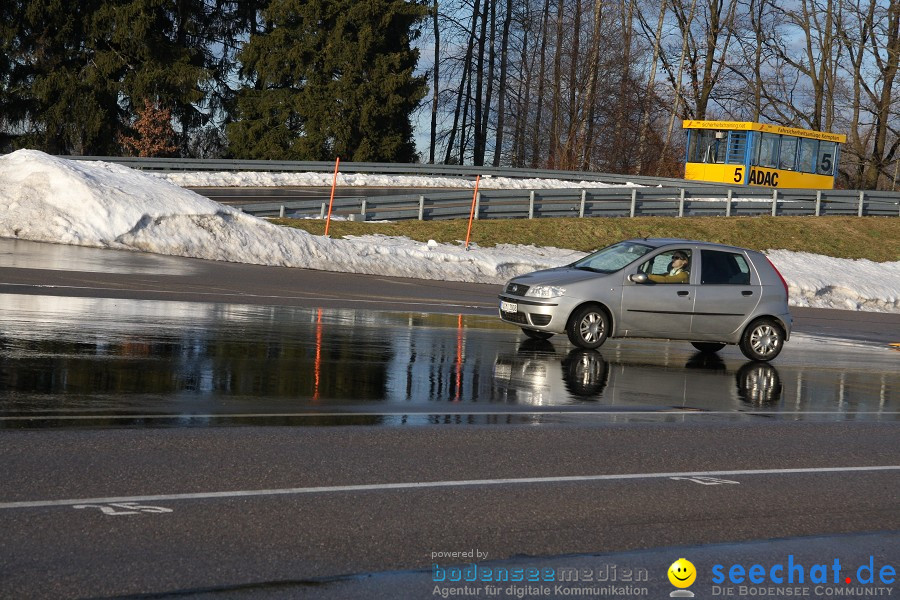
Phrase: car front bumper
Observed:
(534, 313)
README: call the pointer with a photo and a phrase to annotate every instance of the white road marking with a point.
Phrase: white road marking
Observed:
(418, 485)
(131, 508)
(706, 480)
(426, 413)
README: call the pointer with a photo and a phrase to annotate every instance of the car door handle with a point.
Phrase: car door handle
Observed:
(682, 293)
(747, 293)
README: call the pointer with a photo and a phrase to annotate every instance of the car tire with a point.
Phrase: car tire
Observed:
(762, 340)
(708, 346)
(585, 373)
(588, 327)
(537, 335)
(758, 384)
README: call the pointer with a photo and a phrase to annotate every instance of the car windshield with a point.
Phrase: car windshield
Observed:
(612, 258)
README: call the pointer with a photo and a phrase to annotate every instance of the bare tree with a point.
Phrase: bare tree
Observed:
(676, 80)
(651, 85)
(536, 143)
(873, 45)
(568, 159)
(436, 79)
(587, 125)
(557, 88)
(501, 101)
(817, 63)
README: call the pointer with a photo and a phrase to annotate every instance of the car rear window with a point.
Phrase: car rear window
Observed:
(719, 268)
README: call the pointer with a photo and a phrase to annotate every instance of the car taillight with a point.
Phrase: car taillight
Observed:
(783, 282)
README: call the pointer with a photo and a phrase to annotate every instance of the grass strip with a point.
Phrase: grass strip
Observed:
(873, 238)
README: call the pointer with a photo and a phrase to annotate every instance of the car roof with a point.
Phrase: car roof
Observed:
(660, 242)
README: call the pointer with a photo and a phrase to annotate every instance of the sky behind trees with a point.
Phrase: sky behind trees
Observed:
(599, 85)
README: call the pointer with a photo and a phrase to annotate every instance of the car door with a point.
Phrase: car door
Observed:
(727, 292)
(657, 309)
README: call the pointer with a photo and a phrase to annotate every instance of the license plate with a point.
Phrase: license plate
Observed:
(510, 307)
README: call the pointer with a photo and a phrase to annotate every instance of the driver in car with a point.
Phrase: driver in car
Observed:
(679, 270)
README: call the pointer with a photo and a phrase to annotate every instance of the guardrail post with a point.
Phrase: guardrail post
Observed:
(774, 202)
(477, 204)
(583, 197)
(363, 209)
(281, 212)
(862, 198)
(531, 204)
(681, 203)
(728, 204)
(633, 201)
(819, 203)
(322, 212)
(421, 208)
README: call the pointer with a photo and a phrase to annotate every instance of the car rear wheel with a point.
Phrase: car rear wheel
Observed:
(762, 340)
(708, 346)
(537, 335)
(588, 327)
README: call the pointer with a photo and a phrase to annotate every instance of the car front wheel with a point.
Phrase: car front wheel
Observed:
(588, 327)
(763, 340)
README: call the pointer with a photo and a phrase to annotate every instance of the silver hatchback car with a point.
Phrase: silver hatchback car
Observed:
(708, 294)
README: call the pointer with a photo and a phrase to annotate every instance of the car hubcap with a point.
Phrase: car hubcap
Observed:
(587, 370)
(591, 328)
(764, 340)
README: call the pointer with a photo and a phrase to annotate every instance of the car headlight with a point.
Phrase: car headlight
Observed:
(546, 291)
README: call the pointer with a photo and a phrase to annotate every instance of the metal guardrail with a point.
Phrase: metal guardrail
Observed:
(598, 202)
(415, 169)
(659, 196)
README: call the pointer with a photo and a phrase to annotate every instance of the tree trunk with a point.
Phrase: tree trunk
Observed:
(467, 63)
(485, 117)
(536, 139)
(625, 77)
(587, 125)
(882, 102)
(478, 153)
(571, 138)
(501, 100)
(557, 88)
(685, 28)
(649, 94)
(434, 100)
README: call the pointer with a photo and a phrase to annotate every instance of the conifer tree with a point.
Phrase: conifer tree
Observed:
(56, 97)
(330, 78)
(154, 49)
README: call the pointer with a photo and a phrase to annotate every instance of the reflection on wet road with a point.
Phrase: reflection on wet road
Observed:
(96, 362)
(22, 254)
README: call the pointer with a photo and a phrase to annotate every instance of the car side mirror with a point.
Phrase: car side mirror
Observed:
(638, 277)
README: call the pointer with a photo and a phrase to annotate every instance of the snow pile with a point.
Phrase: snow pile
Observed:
(48, 199)
(261, 179)
(43, 198)
(824, 282)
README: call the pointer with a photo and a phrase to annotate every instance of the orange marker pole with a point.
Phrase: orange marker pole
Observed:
(331, 202)
(472, 212)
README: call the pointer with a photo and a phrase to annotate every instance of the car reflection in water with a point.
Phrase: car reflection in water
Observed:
(539, 374)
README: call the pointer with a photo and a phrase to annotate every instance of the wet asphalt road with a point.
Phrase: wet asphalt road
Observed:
(70, 271)
(164, 449)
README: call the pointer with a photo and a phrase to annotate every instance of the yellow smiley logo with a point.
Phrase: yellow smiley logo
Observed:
(682, 573)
